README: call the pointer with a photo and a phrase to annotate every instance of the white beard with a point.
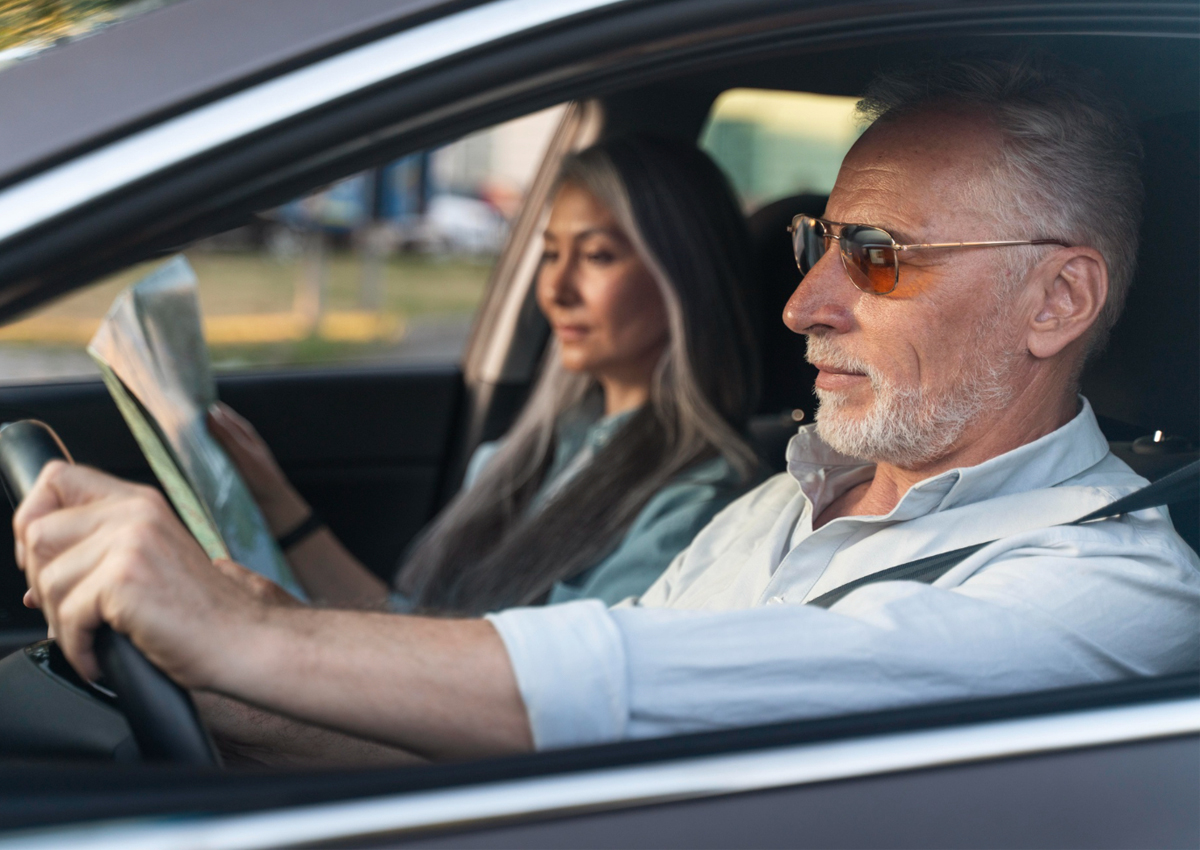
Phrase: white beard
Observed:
(909, 426)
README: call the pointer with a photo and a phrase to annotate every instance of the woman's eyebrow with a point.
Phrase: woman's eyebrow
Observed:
(584, 234)
(598, 231)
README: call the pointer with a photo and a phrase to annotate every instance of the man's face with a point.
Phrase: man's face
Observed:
(904, 376)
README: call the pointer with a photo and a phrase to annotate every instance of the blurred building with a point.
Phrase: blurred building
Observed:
(456, 199)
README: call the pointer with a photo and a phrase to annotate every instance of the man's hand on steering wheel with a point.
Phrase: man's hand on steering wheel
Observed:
(99, 550)
(96, 549)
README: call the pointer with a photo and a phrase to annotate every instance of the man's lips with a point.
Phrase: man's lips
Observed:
(833, 378)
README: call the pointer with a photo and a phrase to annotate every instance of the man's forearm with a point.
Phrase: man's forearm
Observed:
(439, 688)
(251, 736)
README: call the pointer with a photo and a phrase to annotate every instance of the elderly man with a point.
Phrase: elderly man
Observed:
(976, 247)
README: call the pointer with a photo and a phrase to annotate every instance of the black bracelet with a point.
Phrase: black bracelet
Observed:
(309, 526)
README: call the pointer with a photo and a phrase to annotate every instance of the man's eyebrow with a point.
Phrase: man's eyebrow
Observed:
(901, 236)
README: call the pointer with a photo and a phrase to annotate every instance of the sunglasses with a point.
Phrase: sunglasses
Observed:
(870, 255)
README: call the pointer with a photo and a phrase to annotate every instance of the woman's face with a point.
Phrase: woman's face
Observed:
(598, 295)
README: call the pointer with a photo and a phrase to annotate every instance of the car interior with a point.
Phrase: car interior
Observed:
(378, 450)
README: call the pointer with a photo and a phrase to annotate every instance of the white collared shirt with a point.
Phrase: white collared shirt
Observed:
(722, 638)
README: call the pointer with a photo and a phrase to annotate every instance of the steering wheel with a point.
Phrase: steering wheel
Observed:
(160, 714)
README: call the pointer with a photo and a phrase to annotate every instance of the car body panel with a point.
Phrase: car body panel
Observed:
(171, 59)
(1165, 731)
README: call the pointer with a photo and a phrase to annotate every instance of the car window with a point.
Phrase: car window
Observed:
(385, 266)
(774, 144)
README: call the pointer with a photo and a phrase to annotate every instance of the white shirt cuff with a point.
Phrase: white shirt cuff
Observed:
(569, 662)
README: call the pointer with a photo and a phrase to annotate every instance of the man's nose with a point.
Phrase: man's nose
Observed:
(824, 299)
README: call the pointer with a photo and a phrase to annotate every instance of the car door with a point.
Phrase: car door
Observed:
(367, 449)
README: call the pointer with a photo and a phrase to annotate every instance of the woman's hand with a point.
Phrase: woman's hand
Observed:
(282, 507)
(96, 550)
(326, 570)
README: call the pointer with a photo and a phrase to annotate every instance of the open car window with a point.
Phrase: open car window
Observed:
(383, 267)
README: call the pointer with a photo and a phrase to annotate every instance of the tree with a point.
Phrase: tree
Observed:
(31, 22)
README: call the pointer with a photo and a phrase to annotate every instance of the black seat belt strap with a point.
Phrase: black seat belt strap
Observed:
(1176, 487)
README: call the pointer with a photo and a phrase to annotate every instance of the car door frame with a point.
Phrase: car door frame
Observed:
(1170, 713)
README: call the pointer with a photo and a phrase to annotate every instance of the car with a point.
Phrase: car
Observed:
(200, 117)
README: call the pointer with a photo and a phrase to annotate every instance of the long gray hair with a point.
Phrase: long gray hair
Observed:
(488, 549)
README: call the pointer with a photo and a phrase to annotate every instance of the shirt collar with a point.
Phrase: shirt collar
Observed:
(824, 474)
(586, 426)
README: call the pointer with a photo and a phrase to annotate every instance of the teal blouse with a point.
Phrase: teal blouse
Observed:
(663, 528)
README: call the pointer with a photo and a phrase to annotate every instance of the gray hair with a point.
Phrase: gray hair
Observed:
(489, 549)
(1070, 153)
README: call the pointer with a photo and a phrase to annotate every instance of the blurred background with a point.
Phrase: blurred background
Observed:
(388, 265)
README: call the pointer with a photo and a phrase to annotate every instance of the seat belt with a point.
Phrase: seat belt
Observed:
(1175, 487)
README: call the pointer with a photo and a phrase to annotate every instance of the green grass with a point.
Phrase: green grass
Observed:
(412, 285)
(312, 351)
(416, 287)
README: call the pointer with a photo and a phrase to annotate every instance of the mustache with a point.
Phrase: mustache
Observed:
(821, 349)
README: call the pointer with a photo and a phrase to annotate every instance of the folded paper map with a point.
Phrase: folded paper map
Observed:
(151, 352)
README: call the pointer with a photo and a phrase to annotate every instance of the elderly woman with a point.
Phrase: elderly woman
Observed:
(633, 436)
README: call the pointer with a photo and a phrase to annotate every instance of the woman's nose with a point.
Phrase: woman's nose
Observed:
(559, 281)
(823, 299)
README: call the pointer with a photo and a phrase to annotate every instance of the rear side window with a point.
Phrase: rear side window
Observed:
(383, 267)
(774, 144)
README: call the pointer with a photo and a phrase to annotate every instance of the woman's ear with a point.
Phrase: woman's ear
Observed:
(1070, 289)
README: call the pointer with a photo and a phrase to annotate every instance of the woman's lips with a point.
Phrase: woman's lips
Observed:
(571, 333)
(830, 378)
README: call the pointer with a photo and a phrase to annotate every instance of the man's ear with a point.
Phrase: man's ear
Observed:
(1069, 288)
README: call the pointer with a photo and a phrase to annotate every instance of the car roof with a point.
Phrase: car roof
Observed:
(82, 93)
(588, 55)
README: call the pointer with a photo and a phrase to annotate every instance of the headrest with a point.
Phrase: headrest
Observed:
(1149, 375)
(787, 378)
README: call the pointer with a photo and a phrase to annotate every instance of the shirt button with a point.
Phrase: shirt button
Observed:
(775, 600)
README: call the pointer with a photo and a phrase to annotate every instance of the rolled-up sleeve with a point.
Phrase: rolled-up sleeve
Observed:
(569, 662)
(1035, 617)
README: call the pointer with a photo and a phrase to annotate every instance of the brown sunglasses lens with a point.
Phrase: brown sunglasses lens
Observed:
(870, 258)
(867, 252)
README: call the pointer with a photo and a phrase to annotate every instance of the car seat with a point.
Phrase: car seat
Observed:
(788, 378)
(1145, 385)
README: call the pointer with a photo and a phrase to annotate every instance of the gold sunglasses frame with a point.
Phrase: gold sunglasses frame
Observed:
(896, 247)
